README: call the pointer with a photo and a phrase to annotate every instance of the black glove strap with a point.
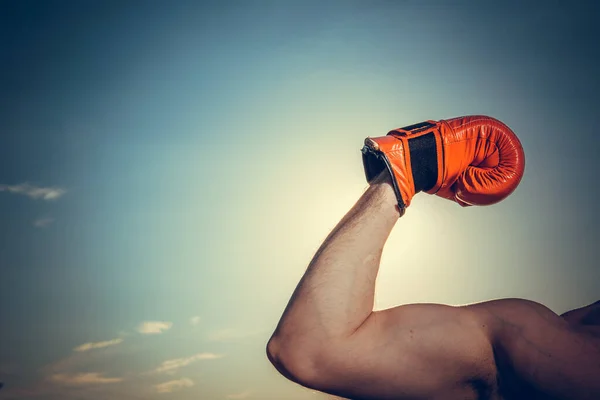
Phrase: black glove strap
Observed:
(423, 161)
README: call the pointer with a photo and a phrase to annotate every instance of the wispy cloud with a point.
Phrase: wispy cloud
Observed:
(171, 366)
(170, 386)
(34, 192)
(154, 327)
(42, 222)
(89, 378)
(98, 345)
(194, 321)
(237, 396)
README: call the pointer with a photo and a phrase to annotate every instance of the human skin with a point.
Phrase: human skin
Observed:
(330, 339)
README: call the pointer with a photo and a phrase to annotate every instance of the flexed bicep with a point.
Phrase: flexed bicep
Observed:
(417, 351)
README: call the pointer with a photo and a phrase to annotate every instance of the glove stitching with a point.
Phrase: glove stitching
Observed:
(472, 121)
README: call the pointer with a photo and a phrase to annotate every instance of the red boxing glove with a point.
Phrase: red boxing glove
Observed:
(474, 160)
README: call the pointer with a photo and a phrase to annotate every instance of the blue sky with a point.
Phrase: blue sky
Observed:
(168, 169)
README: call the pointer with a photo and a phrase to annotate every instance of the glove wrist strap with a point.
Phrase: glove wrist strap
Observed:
(423, 161)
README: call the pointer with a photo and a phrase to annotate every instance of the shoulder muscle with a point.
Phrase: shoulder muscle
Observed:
(540, 349)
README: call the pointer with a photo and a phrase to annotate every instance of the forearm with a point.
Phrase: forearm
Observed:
(336, 293)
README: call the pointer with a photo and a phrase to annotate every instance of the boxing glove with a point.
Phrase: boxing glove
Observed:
(472, 160)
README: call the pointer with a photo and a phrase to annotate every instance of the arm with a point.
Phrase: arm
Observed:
(330, 339)
(437, 351)
(412, 351)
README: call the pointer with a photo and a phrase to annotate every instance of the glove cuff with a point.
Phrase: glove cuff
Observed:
(413, 157)
(375, 160)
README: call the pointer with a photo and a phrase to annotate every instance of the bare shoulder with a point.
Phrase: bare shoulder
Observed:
(539, 353)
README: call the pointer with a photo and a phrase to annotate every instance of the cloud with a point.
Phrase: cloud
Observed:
(194, 321)
(171, 366)
(168, 387)
(98, 345)
(153, 327)
(42, 222)
(89, 378)
(34, 192)
(237, 396)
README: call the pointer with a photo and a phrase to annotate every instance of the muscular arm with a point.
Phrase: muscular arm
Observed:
(415, 351)
(441, 352)
(329, 338)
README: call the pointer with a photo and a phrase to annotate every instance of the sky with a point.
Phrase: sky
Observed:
(169, 168)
